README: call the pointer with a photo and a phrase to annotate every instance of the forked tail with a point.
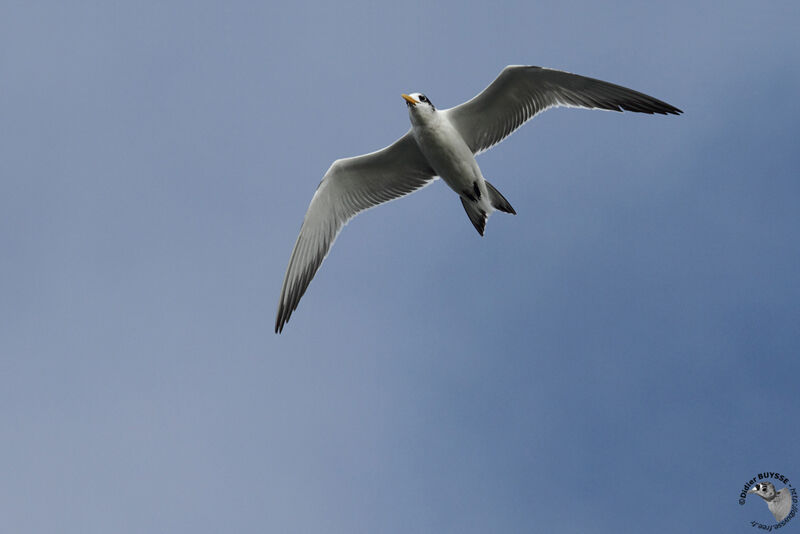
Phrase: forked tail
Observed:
(474, 208)
(477, 215)
(497, 200)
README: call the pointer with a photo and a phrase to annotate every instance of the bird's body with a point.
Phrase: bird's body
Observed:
(444, 144)
(451, 159)
(446, 152)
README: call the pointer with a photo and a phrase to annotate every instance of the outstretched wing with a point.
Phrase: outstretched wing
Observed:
(351, 185)
(521, 92)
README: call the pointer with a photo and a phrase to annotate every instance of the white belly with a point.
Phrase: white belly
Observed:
(449, 156)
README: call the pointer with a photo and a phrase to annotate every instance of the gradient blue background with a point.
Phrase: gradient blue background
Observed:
(621, 356)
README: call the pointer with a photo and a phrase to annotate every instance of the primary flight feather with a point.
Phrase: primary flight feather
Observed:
(443, 143)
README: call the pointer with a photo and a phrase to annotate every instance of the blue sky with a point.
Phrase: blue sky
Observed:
(621, 355)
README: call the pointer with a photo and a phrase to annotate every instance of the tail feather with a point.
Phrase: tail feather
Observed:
(497, 200)
(476, 215)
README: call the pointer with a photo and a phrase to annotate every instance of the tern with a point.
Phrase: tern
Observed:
(443, 143)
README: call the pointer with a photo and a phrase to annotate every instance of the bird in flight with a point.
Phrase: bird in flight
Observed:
(443, 143)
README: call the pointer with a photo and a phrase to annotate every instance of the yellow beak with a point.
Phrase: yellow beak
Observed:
(409, 99)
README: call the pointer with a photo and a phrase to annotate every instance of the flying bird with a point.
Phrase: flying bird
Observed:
(778, 502)
(443, 143)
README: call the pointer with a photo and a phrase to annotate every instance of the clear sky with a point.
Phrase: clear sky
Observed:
(621, 356)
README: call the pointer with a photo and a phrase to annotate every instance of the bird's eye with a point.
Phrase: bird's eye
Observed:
(423, 98)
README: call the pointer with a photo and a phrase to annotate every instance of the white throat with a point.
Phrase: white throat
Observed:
(423, 115)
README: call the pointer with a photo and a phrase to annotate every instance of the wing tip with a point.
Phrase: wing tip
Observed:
(663, 108)
(280, 320)
(283, 316)
(655, 107)
(669, 110)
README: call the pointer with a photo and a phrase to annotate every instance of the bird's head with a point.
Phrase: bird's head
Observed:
(417, 102)
(765, 490)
